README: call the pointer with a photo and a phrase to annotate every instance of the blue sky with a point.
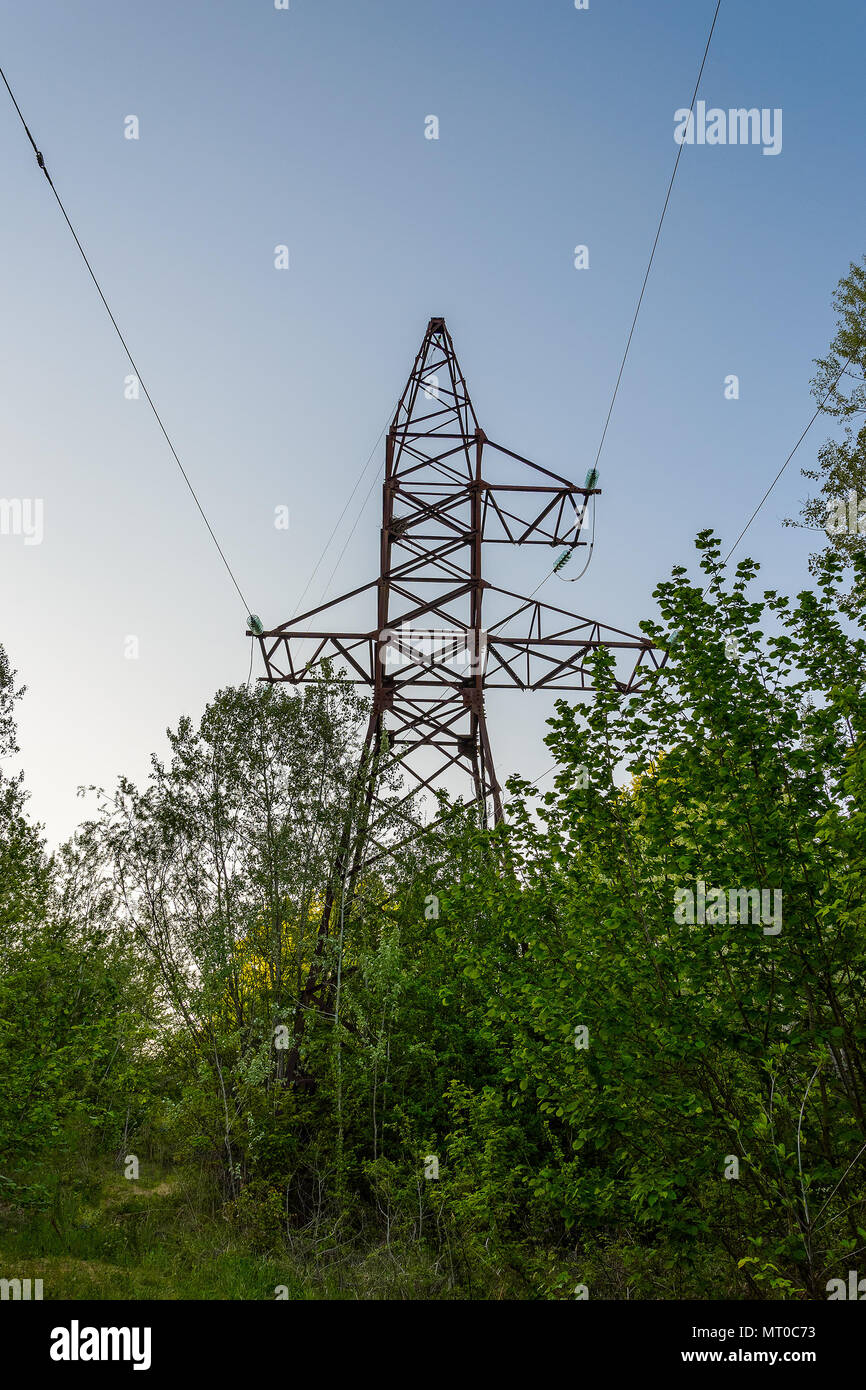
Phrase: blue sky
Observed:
(306, 127)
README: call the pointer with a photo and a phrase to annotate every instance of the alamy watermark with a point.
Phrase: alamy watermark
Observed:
(716, 907)
(737, 126)
(77, 1343)
(22, 516)
(855, 1291)
(846, 517)
(458, 647)
(23, 1289)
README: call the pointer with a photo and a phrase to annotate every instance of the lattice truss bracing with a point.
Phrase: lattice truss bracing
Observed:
(442, 633)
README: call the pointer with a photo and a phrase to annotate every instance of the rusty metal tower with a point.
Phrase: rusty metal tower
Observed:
(443, 634)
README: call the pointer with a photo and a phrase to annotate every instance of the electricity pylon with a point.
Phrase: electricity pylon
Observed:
(443, 633)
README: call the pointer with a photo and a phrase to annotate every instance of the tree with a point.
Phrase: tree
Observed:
(220, 868)
(838, 511)
(24, 869)
(67, 1034)
(660, 1045)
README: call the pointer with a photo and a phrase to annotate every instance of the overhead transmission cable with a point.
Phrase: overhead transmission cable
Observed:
(594, 469)
(818, 411)
(41, 162)
(358, 482)
(345, 546)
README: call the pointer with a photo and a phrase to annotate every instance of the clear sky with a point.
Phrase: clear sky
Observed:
(306, 127)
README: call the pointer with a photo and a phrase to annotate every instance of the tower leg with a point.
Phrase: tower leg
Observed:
(341, 884)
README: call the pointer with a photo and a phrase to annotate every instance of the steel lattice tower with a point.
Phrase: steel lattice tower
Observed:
(430, 658)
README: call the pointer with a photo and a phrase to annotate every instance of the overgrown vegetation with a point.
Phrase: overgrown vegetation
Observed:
(524, 1008)
(616, 1044)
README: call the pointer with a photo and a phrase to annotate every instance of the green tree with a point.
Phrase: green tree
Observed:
(839, 386)
(24, 868)
(220, 868)
(69, 1022)
(705, 1041)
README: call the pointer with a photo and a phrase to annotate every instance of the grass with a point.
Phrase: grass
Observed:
(166, 1236)
(142, 1239)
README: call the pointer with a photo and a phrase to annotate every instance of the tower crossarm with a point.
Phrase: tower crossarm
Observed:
(440, 634)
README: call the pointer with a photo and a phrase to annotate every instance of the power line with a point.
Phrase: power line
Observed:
(588, 558)
(339, 520)
(646, 276)
(715, 579)
(373, 485)
(41, 162)
(656, 241)
(788, 459)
